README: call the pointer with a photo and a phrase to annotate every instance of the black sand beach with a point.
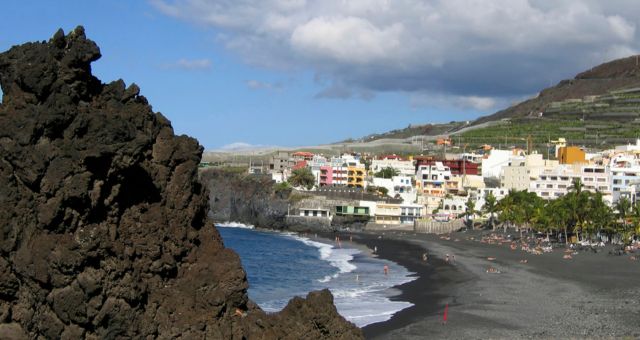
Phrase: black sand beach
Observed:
(592, 295)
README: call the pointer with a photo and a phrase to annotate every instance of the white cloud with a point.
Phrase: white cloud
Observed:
(242, 146)
(460, 48)
(445, 101)
(262, 85)
(189, 64)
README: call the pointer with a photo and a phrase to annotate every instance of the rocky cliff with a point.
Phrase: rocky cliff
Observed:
(240, 197)
(103, 228)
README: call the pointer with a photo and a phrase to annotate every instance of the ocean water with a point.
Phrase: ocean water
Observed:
(280, 266)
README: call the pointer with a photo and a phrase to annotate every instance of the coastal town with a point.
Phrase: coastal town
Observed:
(445, 191)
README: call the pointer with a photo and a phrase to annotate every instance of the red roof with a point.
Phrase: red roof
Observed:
(300, 165)
(303, 154)
(391, 157)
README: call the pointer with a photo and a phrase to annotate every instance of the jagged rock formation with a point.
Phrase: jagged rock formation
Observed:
(616, 74)
(103, 228)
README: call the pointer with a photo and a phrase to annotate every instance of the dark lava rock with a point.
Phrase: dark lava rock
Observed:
(250, 199)
(103, 228)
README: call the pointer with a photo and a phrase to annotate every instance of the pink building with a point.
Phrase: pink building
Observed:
(333, 176)
(326, 175)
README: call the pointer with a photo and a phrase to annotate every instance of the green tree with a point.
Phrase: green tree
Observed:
(469, 212)
(387, 172)
(490, 207)
(623, 207)
(302, 177)
(507, 207)
(598, 215)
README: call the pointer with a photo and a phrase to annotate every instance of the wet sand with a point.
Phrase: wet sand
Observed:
(592, 295)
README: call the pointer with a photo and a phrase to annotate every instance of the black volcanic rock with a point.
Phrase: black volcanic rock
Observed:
(103, 228)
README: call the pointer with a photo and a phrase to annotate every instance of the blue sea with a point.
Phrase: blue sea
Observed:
(280, 266)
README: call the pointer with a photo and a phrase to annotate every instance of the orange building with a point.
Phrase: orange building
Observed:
(571, 155)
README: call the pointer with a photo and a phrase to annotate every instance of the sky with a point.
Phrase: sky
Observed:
(238, 73)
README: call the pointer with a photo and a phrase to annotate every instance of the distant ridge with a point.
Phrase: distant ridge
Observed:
(613, 75)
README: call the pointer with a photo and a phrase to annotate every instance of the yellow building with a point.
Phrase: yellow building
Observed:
(355, 177)
(571, 155)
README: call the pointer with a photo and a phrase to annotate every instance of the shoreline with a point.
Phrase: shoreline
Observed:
(591, 295)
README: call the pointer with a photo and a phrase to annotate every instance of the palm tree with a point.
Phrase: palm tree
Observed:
(598, 215)
(490, 207)
(507, 207)
(623, 206)
(469, 211)
(576, 186)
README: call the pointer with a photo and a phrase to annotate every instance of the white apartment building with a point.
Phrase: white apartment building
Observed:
(556, 182)
(435, 180)
(388, 213)
(519, 173)
(398, 185)
(406, 168)
(494, 163)
(625, 176)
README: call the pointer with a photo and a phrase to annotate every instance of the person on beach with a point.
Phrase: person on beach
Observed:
(386, 270)
(453, 259)
(424, 257)
(446, 259)
(375, 249)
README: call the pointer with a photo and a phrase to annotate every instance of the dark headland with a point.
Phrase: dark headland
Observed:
(103, 226)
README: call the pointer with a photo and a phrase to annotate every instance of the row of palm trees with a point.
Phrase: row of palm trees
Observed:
(580, 212)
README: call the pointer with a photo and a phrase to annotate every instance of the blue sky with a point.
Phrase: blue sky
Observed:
(296, 72)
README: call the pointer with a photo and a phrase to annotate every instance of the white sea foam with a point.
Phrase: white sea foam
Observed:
(234, 225)
(337, 257)
(361, 291)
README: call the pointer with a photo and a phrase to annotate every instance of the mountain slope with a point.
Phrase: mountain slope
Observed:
(616, 74)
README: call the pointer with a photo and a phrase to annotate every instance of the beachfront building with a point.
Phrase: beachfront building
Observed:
(404, 167)
(625, 176)
(353, 211)
(519, 173)
(556, 182)
(314, 212)
(410, 212)
(388, 213)
(398, 186)
(430, 203)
